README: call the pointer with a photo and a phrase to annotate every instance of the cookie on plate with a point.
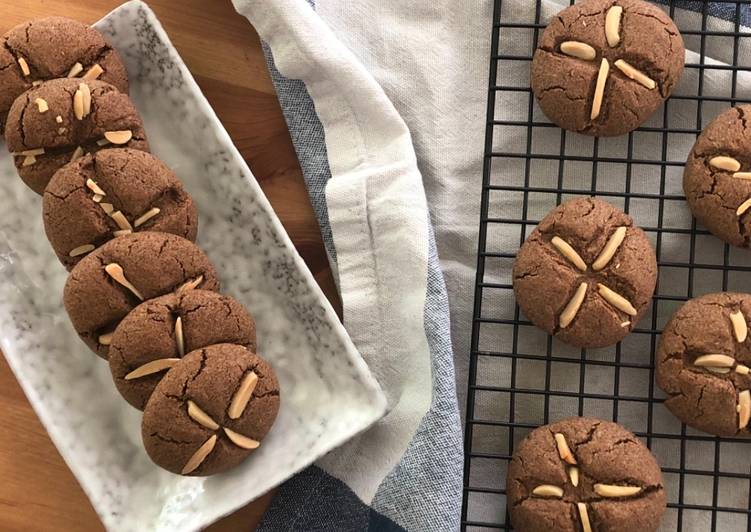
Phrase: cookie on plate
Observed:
(60, 120)
(210, 411)
(115, 278)
(717, 177)
(104, 194)
(703, 362)
(158, 332)
(51, 48)
(602, 67)
(586, 274)
(584, 474)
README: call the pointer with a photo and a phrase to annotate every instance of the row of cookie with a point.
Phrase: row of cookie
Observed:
(140, 293)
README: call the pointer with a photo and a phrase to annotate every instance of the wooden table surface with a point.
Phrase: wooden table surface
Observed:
(38, 491)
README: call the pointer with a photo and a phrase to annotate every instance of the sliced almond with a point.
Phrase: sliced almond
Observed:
(155, 366)
(26, 153)
(201, 417)
(105, 339)
(722, 162)
(242, 395)
(42, 105)
(97, 198)
(625, 324)
(578, 49)
(740, 327)
(742, 370)
(119, 137)
(179, 338)
(115, 271)
(107, 207)
(121, 221)
(548, 490)
(240, 440)
(616, 300)
(569, 252)
(29, 160)
(36, 82)
(86, 98)
(744, 408)
(602, 77)
(610, 248)
(59, 119)
(145, 217)
(613, 25)
(743, 207)
(613, 491)
(75, 70)
(720, 371)
(572, 307)
(77, 154)
(742, 175)
(637, 75)
(94, 72)
(200, 455)
(122, 232)
(714, 361)
(573, 474)
(81, 250)
(61, 130)
(190, 285)
(96, 189)
(563, 449)
(24, 66)
(78, 104)
(584, 517)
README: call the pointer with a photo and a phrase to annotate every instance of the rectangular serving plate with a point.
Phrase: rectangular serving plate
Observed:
(328, 393)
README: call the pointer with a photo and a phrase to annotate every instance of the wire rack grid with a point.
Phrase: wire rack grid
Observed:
(520, 378)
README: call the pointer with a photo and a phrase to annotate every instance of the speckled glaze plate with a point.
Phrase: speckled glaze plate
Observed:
(328, 394)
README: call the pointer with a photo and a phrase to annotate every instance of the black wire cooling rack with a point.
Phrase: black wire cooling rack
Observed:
(520, 378)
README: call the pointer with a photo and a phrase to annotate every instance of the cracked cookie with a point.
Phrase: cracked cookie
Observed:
(60, 120)
(602, 67)
(51, 48)
(703, 362)
(717, 177)
(210, 411)
(116, 277)
(157, 333)
(584, 474)
(110, 193)
(586, 274)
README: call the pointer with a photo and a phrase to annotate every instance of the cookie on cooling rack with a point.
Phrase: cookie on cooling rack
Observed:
(210, 411)
(584, 474)
(116, 277)
(586, 274)
(109, 193)
(602, 67)
(55, 123)
(51, 48)
(717, 177)
(703, 364)
(157, 333)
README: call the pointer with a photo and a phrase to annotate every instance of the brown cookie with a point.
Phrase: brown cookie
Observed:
(586, 274)
(210, 410)
(158, 332)
(717, 177)
(703, 364)
(115, 278)
(60, 120)
(584, 474)
(602, 67)
(140, 194)
(50, 48)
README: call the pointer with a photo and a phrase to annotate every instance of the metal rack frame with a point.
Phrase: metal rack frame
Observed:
(507, 423)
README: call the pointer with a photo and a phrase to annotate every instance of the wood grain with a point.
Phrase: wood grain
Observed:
(38, 491)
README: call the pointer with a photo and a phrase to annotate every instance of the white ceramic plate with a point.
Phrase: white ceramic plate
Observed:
(328, 394)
